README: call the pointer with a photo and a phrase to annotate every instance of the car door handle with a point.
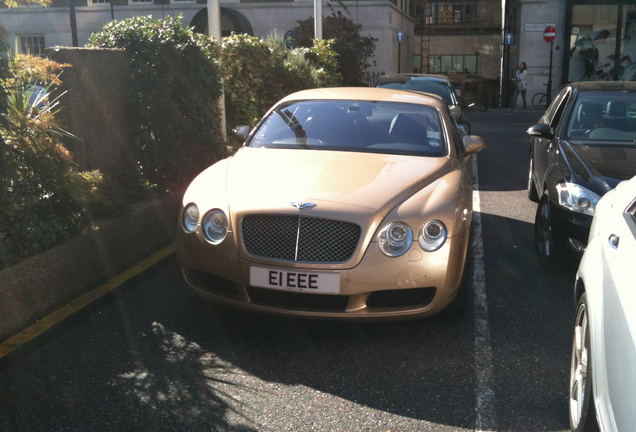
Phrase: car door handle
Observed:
(613, 241)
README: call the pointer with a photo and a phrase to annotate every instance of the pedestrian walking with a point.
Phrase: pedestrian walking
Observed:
(520, 87)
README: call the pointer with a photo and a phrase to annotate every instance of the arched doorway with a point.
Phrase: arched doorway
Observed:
(231, 21)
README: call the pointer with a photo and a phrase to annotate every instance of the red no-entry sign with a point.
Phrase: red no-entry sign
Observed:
(549, 34)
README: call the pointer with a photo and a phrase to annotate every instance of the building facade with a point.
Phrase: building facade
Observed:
(596, 41)
(463, 37)
(33, 28)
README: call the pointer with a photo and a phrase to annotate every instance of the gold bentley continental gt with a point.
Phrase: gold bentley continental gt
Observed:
(343, 203)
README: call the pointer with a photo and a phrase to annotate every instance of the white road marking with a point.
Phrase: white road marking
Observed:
(485, 410)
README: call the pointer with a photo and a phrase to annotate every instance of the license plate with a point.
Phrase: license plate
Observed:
(295, 280)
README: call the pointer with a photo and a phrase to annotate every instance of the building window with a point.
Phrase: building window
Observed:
(459, 63)
(98, 2)
(182, 1)
(445, 13)
(32, 44)
(593, 42)
(417, 63)
(140, 2)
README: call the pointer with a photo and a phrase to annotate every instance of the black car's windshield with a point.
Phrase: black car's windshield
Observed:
(374, 127)
(604, 116)
(427, 85)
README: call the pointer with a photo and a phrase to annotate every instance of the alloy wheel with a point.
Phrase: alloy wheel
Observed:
(544, 228)
(579, 367)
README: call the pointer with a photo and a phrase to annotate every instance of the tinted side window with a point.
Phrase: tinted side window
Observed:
(549, 113)
(560, 109)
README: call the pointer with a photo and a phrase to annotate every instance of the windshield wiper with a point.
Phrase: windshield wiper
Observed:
(293, 123)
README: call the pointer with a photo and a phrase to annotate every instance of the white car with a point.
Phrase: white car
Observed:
(603, 369)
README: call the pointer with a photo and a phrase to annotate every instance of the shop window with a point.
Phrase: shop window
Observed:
(459, 63)
(32, 44)
(593, 43)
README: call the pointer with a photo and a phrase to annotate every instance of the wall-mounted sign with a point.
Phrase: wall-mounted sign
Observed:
(290, 39)
(537, 27)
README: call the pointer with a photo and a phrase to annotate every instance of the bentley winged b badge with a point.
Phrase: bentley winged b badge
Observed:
(302, 204)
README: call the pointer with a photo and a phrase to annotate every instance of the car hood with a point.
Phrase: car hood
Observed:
(269, 179)
(604, 165)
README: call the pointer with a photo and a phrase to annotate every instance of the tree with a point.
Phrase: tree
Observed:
(353, 49)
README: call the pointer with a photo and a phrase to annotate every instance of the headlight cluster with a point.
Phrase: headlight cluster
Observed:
(190, 218)
(214, 226)
(432, 235)
(577, 198)
(214, 223)
(397, 237)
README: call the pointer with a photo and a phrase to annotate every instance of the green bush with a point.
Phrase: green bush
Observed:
(259, 73)
(43, 198)
(175, 91)
(352, 49)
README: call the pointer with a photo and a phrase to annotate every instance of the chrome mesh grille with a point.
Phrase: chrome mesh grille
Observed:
(299, 238)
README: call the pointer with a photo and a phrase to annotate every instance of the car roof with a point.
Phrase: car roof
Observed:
(368, 94)
(406, 77)
(604, 86)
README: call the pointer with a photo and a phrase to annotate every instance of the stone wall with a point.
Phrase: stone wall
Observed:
(96, 106)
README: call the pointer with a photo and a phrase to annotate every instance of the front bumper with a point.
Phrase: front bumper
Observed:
(417, 284)
(571, 229)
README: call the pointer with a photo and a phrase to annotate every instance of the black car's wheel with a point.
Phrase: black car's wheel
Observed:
(532, 191)
(582, 412)
(550, 256)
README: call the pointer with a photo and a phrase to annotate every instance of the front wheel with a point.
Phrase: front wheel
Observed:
(582, 412)
(548, 253)
(540, 101)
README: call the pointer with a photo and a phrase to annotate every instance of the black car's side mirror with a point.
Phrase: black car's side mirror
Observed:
(240, 133)
(541, 130)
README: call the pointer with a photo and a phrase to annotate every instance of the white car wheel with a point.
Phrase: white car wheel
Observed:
(582, 413)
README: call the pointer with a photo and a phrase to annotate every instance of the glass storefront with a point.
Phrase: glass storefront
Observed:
(593, 42)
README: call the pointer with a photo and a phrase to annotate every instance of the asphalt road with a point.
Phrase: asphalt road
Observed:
(154, 359)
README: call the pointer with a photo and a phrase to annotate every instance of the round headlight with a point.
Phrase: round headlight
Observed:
(395, 239)
(190, 218)
(432, 235)
(214, 226)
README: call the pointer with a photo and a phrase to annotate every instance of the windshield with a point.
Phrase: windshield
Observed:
(373, 127)
(604, 116)
(439, 88)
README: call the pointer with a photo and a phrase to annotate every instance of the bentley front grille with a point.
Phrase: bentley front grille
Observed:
(299, 238)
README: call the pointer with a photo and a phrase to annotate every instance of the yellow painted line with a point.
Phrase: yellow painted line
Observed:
(50, 320)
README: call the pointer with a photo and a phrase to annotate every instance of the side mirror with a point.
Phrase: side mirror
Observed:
(240, 133)
(541, 130)
(472, 144)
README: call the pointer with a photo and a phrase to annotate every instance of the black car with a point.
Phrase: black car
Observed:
(438, 85)
(583, 146)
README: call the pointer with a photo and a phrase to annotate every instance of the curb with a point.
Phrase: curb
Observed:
(48, 328)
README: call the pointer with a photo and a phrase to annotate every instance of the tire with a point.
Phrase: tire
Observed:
(548, 252)
(532, 190)
(540, 101)
(581, 398)
(459, 306)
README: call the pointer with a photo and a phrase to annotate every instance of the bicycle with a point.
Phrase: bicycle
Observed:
(540, 100)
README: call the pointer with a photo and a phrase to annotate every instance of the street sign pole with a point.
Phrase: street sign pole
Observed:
(549, 34)
(549, 89)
